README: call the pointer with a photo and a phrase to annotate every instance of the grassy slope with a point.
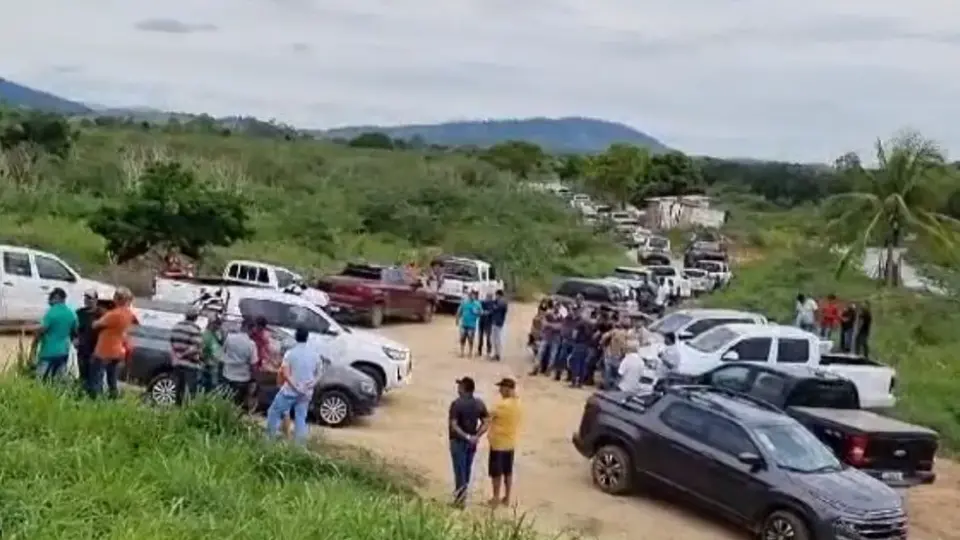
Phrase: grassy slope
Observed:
(74, 469)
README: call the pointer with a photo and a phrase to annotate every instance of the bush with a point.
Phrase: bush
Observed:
(75, 469)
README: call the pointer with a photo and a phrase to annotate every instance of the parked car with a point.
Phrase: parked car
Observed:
(655, 244)
(700, 282)
(653, 259)
(372, 293)
(596, 293)
(342, 394)
(28, 275)
(686, 324)
(773, 344)
(681, 284)
(462, 275)
(896, 453)
(738, 457)
(237, 273)
(719, 272)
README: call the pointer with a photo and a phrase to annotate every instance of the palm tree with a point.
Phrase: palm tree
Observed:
(895, 201)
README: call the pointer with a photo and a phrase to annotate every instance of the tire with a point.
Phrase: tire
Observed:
(427, 314)
(784, 525)
(333, 408)
(375, 319)
(162, 390)
(612, 470)
(378, 379)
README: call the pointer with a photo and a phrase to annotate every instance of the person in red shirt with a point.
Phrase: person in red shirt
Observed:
(829, 316)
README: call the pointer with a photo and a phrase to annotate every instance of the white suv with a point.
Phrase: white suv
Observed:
(685, 324)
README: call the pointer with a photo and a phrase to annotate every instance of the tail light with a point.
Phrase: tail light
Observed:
(857, 450)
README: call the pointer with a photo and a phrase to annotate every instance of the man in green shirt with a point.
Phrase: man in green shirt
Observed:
(52, 341)
(211, 355)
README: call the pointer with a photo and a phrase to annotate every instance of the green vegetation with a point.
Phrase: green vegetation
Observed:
(293, 201)
(74, 469)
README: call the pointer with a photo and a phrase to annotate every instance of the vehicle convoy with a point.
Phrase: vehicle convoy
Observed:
(237, 273)
(896, 453)
(460, 275)
(342, 393)
(387, 362)
(686, 324)
(373, 293)
(738, 457)
(28, 275)
(778, 344)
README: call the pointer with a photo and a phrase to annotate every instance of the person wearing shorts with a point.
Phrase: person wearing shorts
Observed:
(502, 433)
(468, 318)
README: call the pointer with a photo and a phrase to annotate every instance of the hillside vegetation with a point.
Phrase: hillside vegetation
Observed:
(76, 469)
(303, 203)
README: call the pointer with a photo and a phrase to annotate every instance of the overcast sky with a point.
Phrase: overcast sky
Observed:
(800, 80)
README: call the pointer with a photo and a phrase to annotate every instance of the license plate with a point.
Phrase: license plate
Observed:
(891, 476)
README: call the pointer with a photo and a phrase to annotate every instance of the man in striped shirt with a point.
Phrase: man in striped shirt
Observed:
(186, 348)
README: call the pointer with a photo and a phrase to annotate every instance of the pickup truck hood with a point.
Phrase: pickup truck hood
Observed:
(849, 491)
(375, 339)
(685, 360)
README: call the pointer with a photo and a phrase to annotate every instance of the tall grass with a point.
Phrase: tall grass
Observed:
(76, 469)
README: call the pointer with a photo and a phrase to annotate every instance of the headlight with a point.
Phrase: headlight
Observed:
(397, 355)
(368, 388)
(844, 530)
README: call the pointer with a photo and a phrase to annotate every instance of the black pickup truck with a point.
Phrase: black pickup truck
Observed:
(737, 457)
(895, 452)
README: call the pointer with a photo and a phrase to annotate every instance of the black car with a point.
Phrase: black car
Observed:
(895, 452)
(738, 457)
(596, 293)
(342, 394)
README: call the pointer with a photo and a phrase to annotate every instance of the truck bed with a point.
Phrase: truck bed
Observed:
(864, 421)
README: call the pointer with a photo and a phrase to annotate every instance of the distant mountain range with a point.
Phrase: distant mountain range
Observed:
(572, 134)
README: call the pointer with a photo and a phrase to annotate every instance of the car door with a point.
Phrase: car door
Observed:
(677, 454)
(399, 294)
(53, 273)
(736, 377)
(751, 349)
(22, 297)
(726, 475)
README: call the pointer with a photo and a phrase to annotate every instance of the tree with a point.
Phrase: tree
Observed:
(48, 132)
(899, 198)
(170, 208)
(617, 173)
(521, 158)
(671, 174)
(373, 139)
(569, 166)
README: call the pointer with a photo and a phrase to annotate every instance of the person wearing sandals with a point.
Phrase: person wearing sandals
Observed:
(504, 426)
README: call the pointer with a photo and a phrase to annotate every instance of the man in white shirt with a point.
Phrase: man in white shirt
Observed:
(806, 308)
(299, 373)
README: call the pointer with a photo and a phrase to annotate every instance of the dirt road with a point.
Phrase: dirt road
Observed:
(553, 484)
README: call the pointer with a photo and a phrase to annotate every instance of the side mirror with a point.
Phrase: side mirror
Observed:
(750, 459)
(730, 356)
(685, 335)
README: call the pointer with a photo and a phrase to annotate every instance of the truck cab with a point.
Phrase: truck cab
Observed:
(460, 275)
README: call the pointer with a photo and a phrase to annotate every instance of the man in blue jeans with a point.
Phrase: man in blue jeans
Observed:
(580, 350)
(468, 319)
(498, 319)
(467, 423)
(57, 329)
(299, 373)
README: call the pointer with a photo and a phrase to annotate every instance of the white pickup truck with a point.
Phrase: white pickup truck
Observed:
(249, 273)
(28, 275)
(780, 344)
(387, 362)
(462, 275)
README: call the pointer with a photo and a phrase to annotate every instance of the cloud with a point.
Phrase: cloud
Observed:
(797, 80)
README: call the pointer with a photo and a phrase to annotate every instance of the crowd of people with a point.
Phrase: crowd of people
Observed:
(849, 323)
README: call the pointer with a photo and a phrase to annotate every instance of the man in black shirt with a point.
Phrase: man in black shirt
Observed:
(86, 335)
(467, 423)
(602, 326)
(865, 319)
(580, 352)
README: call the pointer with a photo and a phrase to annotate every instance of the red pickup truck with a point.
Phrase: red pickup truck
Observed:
(372, 293)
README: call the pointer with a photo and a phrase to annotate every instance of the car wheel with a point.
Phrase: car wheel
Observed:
(427, 314)
(784, 525)
(612, 470)
(162, 390)
(334, 408)
(375, 320)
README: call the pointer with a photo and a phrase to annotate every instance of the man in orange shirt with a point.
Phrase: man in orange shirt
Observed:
(111, 348)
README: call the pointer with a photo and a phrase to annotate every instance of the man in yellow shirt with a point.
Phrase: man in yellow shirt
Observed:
(502, 436)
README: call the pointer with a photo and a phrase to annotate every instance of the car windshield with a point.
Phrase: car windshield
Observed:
(626, 274)
(670, 323)
(693, 273)
(663, 271)
(461, 270)
(658, 242)
(713, 340)
(711, 267)
(793, 447)
(287, 279)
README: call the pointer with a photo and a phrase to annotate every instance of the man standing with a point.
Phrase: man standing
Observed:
(212, 354)
(468, 317)
(580, 350)
(239, 359)
(829, 317)
(467, 422)
(58, 327)
(86, 335)
(549, 339)
(498, 319)
(862, 339)
(848, 321)
(111, 348)
(186, 349)
(502, 436)
(299, 373)
(484, 327)
(806, 309)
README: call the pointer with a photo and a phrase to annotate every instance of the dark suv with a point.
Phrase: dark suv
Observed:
(738, 457)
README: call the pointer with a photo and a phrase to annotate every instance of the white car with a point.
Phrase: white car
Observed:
(665, 274)
(462, 275)
(686, 324)
(28, 275)
(775, 343)
(717, 271)
(700, 282)
(388, 362)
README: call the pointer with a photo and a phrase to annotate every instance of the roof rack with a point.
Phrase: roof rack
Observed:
(693, 389)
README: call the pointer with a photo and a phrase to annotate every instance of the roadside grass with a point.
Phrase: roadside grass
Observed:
(915, 333)
(76, 469)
